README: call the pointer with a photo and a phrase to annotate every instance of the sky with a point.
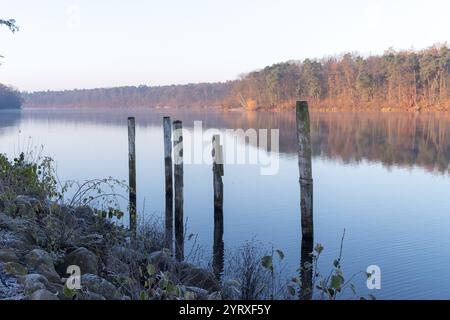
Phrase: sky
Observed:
(104, 43)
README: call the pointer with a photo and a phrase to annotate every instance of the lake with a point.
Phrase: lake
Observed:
(384, 177)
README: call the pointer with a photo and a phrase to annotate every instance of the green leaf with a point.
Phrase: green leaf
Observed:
(280, 254)
(267, 262)
(151, 269)
(143, 295)
(70, 293)
(336, 282)
(170, 287)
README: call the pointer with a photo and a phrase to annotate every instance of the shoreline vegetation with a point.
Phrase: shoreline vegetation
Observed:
(396, 80)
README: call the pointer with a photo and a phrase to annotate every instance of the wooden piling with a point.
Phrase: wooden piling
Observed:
(167, 129)
(306, 269)
(218, 172)
(304, 165)
(178, 177)
(306, 199)
(132, 173)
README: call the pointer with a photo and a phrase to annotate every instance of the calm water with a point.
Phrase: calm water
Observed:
(382, 177)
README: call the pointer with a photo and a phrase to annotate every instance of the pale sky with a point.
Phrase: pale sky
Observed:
(102, 43)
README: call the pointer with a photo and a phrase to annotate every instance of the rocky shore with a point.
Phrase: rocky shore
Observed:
(39, 240)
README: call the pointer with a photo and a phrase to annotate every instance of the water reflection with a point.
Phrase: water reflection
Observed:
(400, 139)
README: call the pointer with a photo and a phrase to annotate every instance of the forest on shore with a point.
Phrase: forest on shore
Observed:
(406, 79)
(10, 98)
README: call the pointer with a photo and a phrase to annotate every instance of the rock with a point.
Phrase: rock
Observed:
(28, 206)
(8, 255)
(93, 242)
(42, 262)
(7, 222)
(85, 213)
(33, 282)
(95, 284)
(14, 269)
(27, 200)
(198, 277)
(14, 241)
(200, 294)
(43, 294)
(37, 257)
(89, 296)
(49, 272)
(215, 296)
(127, 255)
(10, 289)
(161, 261)
(83, 258)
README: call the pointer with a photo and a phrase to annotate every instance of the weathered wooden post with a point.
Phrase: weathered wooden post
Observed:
(132, 173)
(304, 165)
(178, 177)
(306, 197)
(218, 172)
(306, 268)
(167, 129)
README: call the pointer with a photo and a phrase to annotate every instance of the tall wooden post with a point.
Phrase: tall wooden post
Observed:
(132, 173)
(304, 165)
(306, 197)
(167, 129)
(218, 172)
(178, 176)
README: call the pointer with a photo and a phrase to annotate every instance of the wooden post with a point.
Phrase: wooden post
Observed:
(306, 198)
(306, 268)
(167, 128)
(304, 165)
(178, 176)
(218, 172)
(132, 173)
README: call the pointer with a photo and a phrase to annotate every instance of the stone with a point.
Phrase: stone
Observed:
(93, 242)
(95, 284)
(49, 272)
(215, 296)
(14, 269)
(7, 222)
(199, 277)
(42, 262)
(43, 294)
(127, 255)
(8, 255)
(84, 212)
(83, 258)
(200, 294)
(10, 289)
(27, 200)
(37, 257)
(89, 296)
(33, 282)
(161, 261)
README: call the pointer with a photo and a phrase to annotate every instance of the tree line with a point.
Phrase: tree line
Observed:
(396, 79)
(9, 98)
